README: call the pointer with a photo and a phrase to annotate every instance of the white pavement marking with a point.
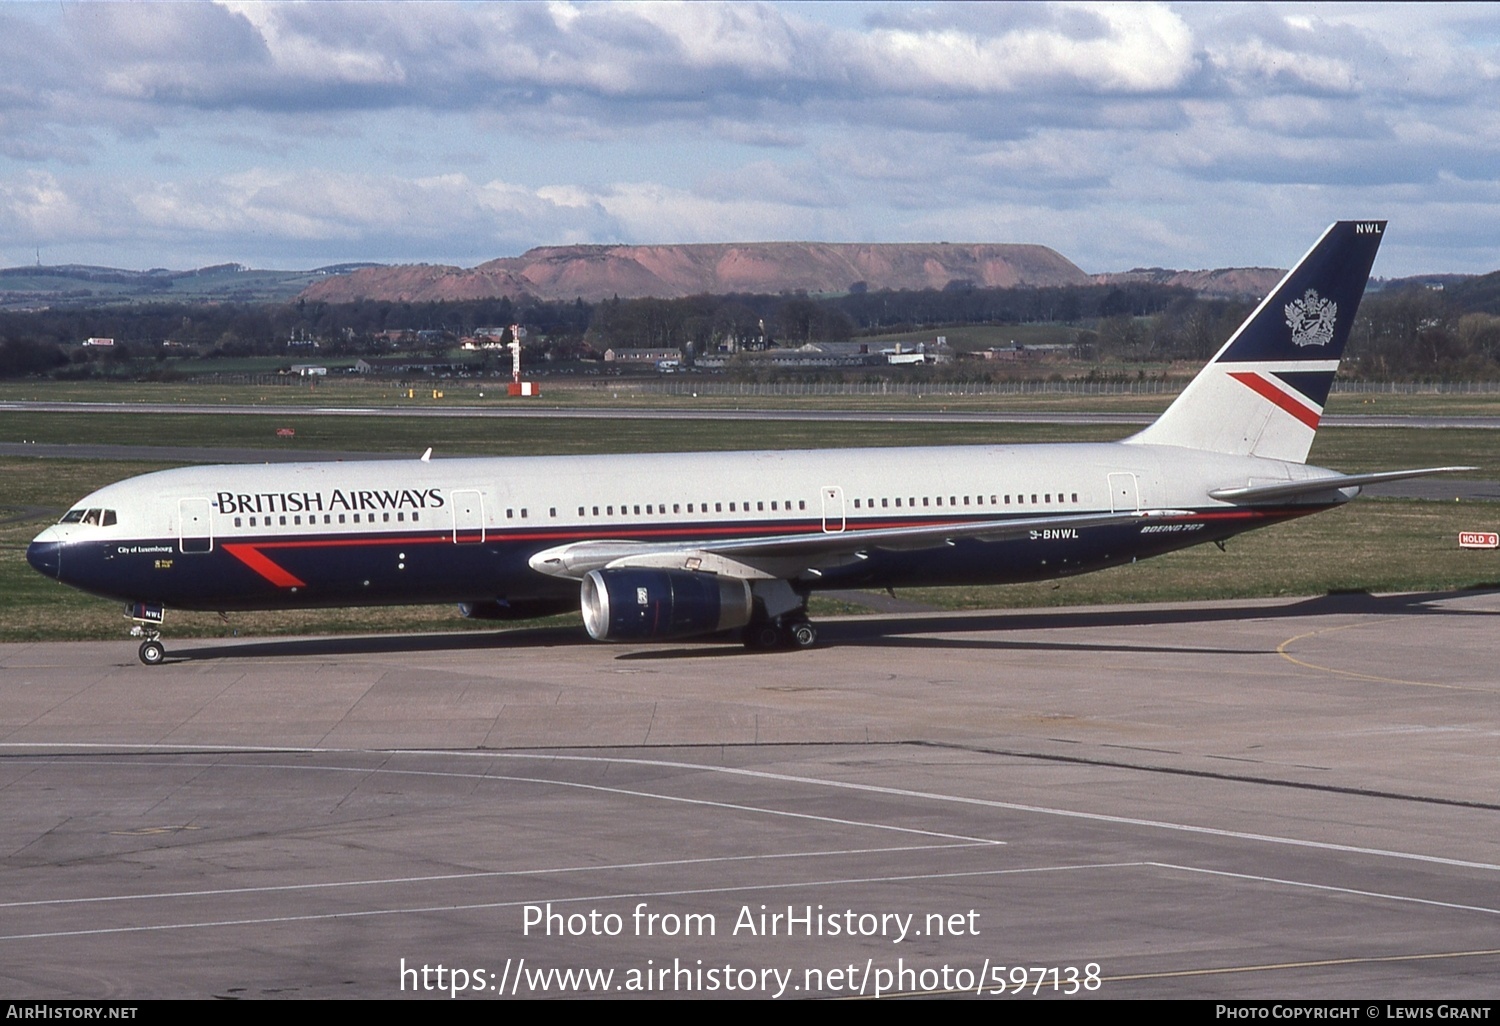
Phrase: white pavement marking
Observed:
(484, 874)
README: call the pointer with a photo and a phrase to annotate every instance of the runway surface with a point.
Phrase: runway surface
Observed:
(1252, 799)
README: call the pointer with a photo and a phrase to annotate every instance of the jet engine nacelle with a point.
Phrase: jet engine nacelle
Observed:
(634, 603)
(516, 609)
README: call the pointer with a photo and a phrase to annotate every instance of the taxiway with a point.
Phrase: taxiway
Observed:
(1256, 799)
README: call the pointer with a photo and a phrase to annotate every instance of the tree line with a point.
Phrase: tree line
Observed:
(1404, 332)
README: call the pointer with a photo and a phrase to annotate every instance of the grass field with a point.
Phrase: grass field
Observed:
(1347, 449)
(632, 393)
(1376, 545)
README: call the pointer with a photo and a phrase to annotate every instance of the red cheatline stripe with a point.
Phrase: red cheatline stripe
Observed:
(252, 558)
(1261, 387)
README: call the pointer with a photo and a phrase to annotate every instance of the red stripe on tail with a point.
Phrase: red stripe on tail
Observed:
(1263, 388)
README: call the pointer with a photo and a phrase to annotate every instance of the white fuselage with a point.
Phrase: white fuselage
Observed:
(259, 536)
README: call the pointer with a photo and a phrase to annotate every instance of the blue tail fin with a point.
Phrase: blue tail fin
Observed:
(1263, 393)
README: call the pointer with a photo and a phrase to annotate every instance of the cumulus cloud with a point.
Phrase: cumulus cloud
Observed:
(335, 127)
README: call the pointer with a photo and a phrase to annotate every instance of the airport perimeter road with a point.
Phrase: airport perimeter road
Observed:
(1279, 799)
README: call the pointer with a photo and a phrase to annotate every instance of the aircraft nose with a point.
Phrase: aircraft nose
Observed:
(45, 556)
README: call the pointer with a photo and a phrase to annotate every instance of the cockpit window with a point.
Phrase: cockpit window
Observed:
(93, 517)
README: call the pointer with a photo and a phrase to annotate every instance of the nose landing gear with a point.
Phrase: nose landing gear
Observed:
(147, 624)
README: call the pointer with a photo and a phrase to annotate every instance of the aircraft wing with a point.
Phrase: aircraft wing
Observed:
(1313, 486)
(794, 555)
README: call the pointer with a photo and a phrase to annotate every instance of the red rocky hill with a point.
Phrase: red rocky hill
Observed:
(599, 272)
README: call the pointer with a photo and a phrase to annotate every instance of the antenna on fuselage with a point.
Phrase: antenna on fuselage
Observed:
(427, 456)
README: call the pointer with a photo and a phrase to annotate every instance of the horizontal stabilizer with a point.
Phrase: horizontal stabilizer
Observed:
(1317, 485)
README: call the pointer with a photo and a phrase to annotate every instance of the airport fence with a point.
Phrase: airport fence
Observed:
(750, 389)
(1148, 386)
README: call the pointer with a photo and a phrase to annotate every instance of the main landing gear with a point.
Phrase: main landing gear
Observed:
(147, 625)
(784, 632)
(780, 618)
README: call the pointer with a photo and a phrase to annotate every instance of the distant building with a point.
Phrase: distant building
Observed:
(818, 354)
(652, 356)
(1016, 351)
(409, 365)
(923, 354)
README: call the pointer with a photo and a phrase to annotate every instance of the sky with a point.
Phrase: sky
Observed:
(292, 136)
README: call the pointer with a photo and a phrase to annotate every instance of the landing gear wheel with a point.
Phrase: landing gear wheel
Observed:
(761, 636)
(802, 635)
(152, 652)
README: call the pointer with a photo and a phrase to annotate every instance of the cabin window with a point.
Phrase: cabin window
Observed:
(1048, 497)
(237, 522)
(385, 518)
(1033, 498)
(281, 520)
(885, 503)
(718, 507)
(341, 520)
(1075, 496)
(523, 512)
(510, 514)
(926, 501)
(966, 500)
(760, 507)
(801, 503)
(252, 521)
(773, 505)
(415, 515)
(856, 504)
(401, 516)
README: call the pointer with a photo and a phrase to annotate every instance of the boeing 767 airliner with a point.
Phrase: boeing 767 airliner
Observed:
(681, 545)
